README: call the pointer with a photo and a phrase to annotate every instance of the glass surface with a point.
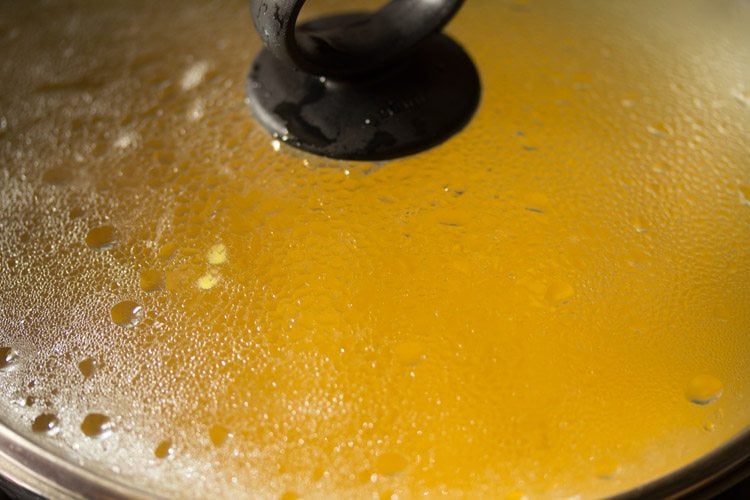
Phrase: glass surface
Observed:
(553, 302)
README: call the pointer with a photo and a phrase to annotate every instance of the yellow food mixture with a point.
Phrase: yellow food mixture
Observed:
(554, 302)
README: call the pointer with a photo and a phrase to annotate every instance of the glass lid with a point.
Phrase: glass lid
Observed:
(554, 301)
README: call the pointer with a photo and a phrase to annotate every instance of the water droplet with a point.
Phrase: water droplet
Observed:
(558, 292)
(390, 464)
(101, 238)
(46, 423)
(167, 251)
(76, 212)
(536, 202)
(151, 280)
(197, 110)
(408, 353)
(208, 280)
(8, 358)
(219, 434)
(88, 367)
(704, 389)
(606, 468)
(194, 75)
(217, 254)
(126, 313)
(57, 175)
(639, 224)
(164, 449)
(742, 95)
(96, 425)
(744, 194)
(126, 140)
(659, 129)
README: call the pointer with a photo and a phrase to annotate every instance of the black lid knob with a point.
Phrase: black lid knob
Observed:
(361, 86)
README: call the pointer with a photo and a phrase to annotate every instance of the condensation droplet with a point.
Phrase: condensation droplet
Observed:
(126, 313)
(218, 434)
(704, 389)
(46, 423)
(744, 194)
(126, 140)
(151, 280)
(217, 254)
(57, 175)
(558, 292)
(167, 251)
(390, 464)
(639, 224)
(164, 449)
(742, 95)
(88, 367)
(194, 75)
(659, 129)
(536, 202)
(408, 353)
(606, 468)
(101, 238)
(76, 212)
(97, 425)
(208, 280)
(8, 358)
(197, 110)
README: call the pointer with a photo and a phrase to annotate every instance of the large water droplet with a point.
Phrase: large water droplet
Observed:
(46, 423)
(558, 292)
(167, 251)
(101, 238)
(97, 425)
(217, 254)
(151, 280)
(639, 224)
(164, 449)
(390, 463)
(208, 280)
(744, 194)
(408, 353)
(126, 313)
(659, 129)
(218, 434)
(606, 468)
(88, 367)
(704, 389)
(194, 75)
(8, 358)
(57, 175)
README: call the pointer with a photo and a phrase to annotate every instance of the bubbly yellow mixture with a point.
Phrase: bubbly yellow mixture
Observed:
(554, 302)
